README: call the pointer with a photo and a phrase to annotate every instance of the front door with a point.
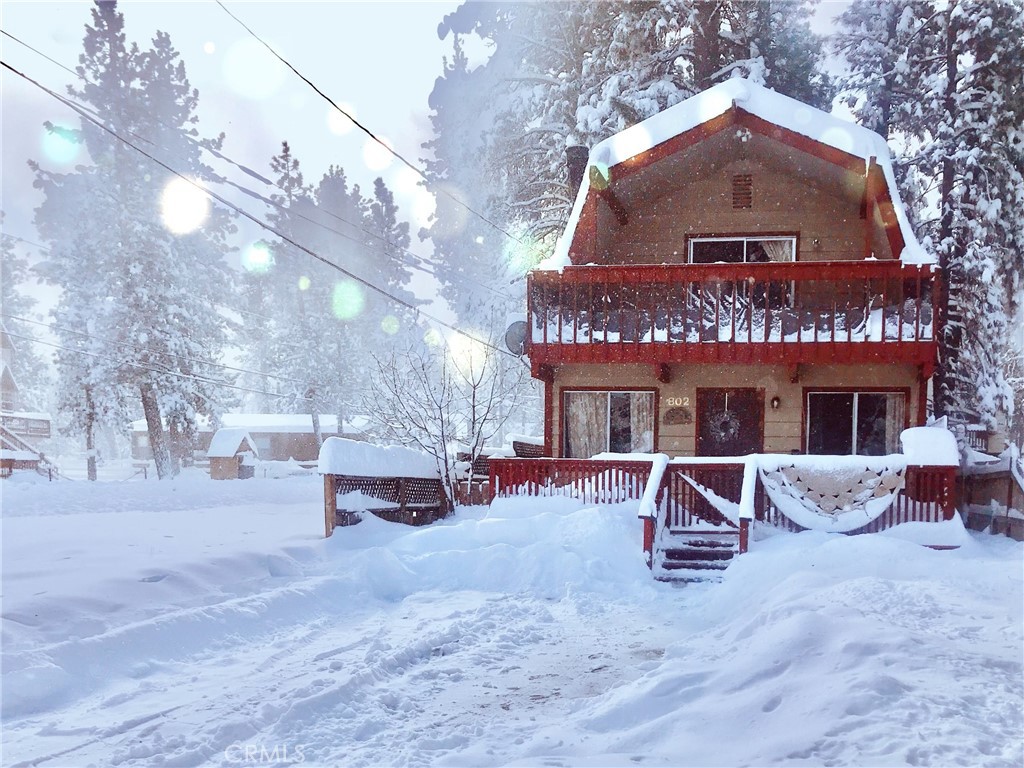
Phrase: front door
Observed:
(730, 422)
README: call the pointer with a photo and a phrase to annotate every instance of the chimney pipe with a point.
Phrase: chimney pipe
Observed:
(576, 158)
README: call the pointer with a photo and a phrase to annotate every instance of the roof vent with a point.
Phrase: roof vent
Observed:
(742, 191)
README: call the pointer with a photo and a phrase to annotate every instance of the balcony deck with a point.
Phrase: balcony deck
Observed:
(769, 313)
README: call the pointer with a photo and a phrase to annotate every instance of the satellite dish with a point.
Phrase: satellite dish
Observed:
(515, 337)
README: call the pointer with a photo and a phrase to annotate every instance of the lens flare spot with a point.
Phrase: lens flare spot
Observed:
(406, 181)
(183, 207)
(433, 338)
(423, 207)
(59, 147)
(347, 301)
(252, 71)
(450, 211)
(257, 258)
(209, 47)
(377, 157)
(304, 283)
(389, 325)
(337, 122)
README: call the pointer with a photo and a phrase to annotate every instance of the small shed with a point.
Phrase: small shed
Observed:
(232, 454)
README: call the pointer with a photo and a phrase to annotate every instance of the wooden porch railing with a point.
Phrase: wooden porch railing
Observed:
(929, 493)
(778, 311)
(592, 481)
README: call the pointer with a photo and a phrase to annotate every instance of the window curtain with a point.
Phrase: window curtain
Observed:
(641, 422)
(778, 250)
(586, 424)
(895, 418)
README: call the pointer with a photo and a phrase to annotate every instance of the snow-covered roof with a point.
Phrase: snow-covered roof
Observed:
(766, 104)
(296, 423)
(34, 415)
(10, 455)
(226, 442)
(340, 456)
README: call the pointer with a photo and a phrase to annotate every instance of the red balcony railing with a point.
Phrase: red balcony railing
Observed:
(790, 312)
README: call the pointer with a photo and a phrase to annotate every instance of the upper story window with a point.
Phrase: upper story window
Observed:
(740, 250)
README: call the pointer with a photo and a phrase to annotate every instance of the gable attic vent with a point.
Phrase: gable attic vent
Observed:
(742, 190)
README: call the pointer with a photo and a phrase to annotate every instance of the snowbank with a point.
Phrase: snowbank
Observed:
(340, 456)
(930, 446)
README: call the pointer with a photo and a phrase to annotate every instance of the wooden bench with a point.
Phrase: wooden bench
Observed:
(408, 500)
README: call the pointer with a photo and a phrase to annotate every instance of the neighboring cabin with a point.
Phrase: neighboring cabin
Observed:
(738, 276)
(274, 436)
(20, 430)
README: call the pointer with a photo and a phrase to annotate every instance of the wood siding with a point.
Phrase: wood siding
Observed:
(783, 427)
(822, 210)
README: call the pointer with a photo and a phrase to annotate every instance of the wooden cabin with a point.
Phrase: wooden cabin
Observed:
(737, 276)
(232, 454)
(276, 436)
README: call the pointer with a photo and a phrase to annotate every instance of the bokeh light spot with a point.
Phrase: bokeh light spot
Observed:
(337, 122)
(183, 207)
(389, 325)
(257, 258)
(252, 71)
(58, 147)
(347, 301)
(376, 157)
(433, 338)
(304, 283)
(209, 47)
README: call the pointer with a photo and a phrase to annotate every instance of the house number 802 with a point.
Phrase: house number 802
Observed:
(677, 401)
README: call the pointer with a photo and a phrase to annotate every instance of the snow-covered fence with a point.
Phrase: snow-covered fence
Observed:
(393, 483)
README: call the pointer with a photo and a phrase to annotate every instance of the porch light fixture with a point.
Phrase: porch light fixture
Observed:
(775, 403)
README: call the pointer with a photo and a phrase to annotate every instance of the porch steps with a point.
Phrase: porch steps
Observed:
(696, 555)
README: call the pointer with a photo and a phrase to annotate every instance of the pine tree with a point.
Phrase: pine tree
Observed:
(28, 367)
(146, 293)
(944, 78)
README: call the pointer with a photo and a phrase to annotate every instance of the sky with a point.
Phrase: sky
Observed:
(377, 59)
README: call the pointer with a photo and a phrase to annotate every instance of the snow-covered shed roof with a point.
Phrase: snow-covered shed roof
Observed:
(277, 423)
(228, 441)
(763, 103)
(340, 456)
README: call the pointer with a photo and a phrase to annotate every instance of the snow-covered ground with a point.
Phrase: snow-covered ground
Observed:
(199, 622)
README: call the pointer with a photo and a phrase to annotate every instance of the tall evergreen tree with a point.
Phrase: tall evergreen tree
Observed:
(943, 78)
(28, 367)
(142, 281)
(564, 73)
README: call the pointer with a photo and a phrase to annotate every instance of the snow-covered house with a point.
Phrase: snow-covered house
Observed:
(20, 431)
(738, 276)
(276, 436)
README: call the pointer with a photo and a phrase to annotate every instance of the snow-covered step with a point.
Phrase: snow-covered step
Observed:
(696, 555)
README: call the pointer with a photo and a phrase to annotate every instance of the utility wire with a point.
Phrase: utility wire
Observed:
(245, 214)
(141, 348)
(412, 262)
(162, 371)
(374, 136)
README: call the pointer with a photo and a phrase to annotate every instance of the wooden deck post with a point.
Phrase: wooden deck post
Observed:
(330, 506)
(744, 535)
(649, 540)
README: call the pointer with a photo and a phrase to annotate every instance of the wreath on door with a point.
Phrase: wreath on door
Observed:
(725, 426)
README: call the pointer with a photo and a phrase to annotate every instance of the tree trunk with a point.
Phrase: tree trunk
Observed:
(151, 409)
(176, 446)
(314, 413)
(949, 256)
(90, 435)
(707, 43)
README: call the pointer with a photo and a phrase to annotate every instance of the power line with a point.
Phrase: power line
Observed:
(412, 262)
(163, 371)
(245, 214)
(374, 136)
(141, 348)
